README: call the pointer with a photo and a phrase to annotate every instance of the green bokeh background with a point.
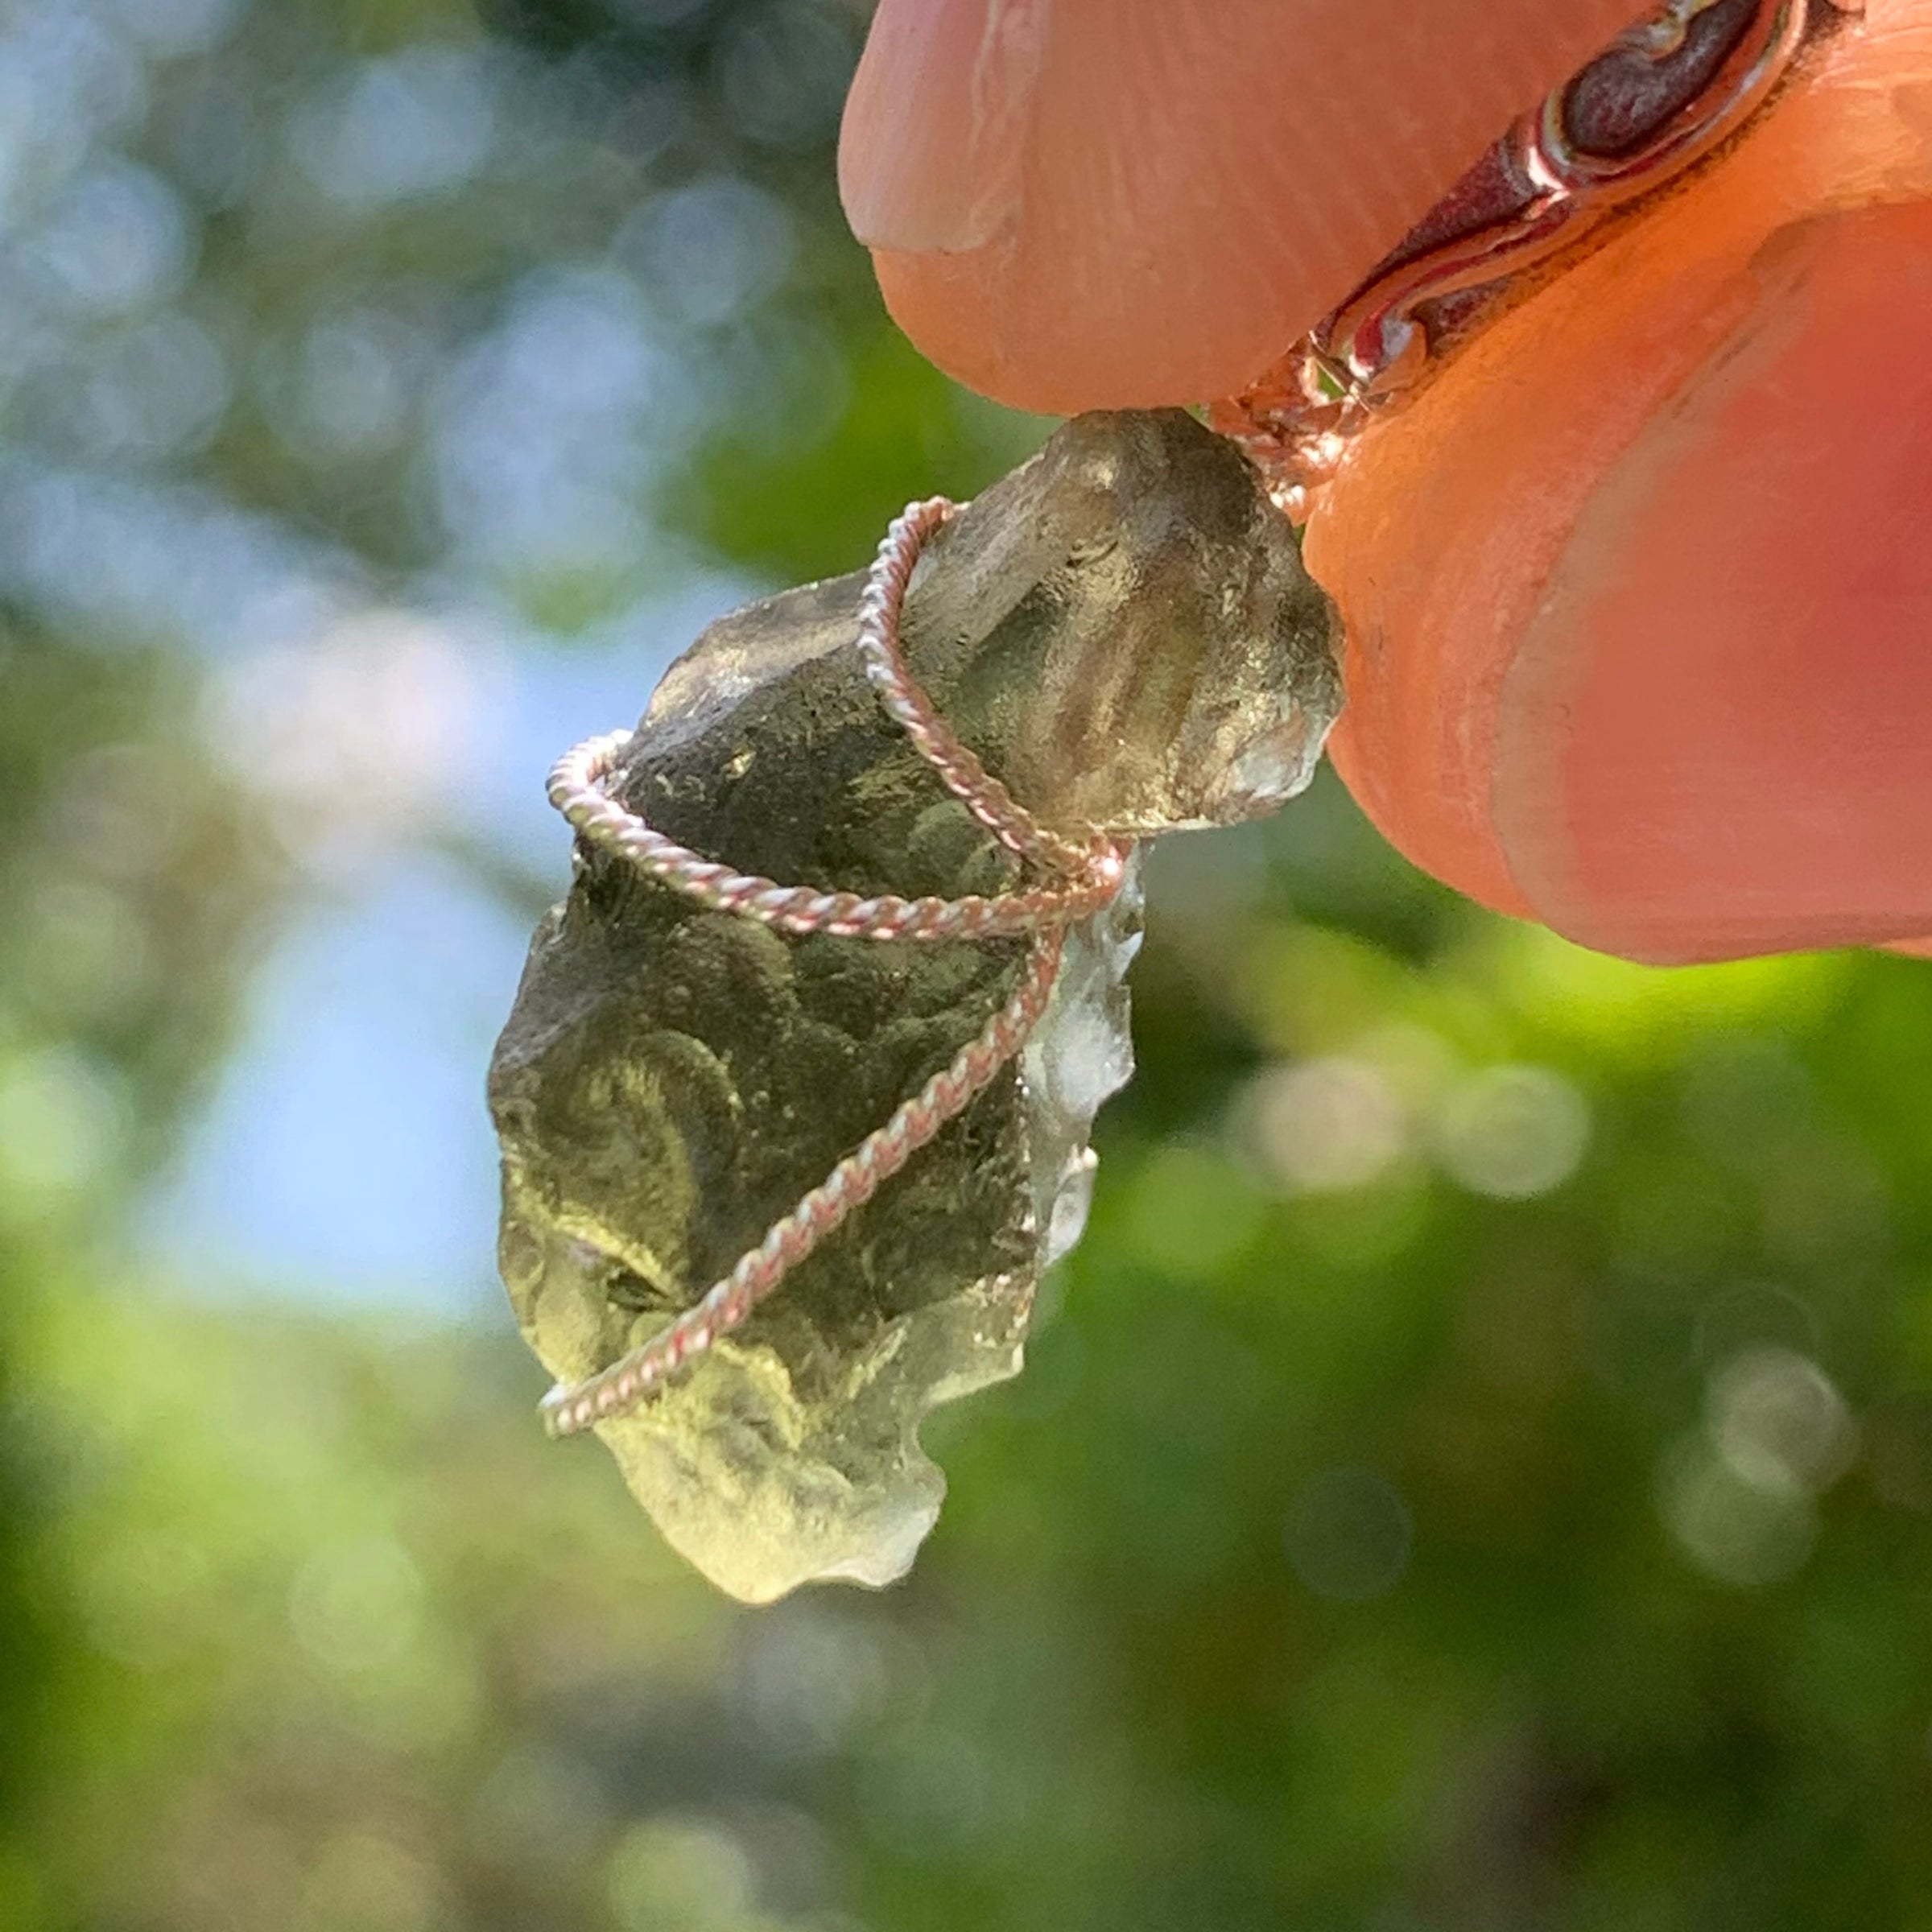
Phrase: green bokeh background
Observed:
(1475, 1475)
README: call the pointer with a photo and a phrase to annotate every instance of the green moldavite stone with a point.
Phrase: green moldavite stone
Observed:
(1123, 631)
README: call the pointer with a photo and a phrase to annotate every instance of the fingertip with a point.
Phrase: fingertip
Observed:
(1108, 203)
(929, 147)
(1030, 334)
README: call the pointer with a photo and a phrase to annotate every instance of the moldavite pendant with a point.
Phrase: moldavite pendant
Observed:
(872, 1087)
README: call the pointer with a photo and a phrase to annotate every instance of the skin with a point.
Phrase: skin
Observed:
(1097, 203)
(1637, 588)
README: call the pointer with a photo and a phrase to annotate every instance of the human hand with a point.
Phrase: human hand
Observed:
(1639, 585)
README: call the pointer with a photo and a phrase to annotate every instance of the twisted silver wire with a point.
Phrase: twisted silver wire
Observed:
(909, 707)
(1083, 878)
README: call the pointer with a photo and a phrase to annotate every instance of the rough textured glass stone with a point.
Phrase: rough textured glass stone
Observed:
(1123, 631)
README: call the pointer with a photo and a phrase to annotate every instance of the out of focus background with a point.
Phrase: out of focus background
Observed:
(1477, 1473)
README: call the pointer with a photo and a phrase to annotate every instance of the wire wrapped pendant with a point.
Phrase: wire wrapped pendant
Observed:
(795, 1098)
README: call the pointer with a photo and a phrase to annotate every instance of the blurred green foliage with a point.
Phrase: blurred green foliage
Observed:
(1476, 1474)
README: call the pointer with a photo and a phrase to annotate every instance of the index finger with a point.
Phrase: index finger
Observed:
(1088, 204)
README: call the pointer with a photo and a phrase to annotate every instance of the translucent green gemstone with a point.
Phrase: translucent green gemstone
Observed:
(1122, 630)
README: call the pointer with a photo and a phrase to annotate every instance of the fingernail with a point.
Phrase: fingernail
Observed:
(931, 155)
